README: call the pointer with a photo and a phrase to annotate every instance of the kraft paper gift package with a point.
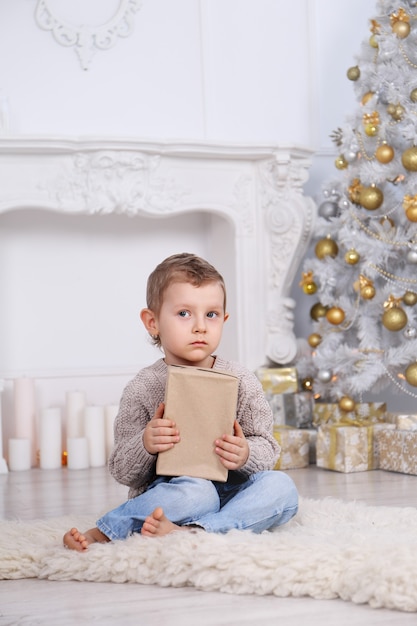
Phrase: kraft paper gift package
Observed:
(202, 402)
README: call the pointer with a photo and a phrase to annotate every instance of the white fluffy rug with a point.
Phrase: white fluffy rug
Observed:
(330, 549)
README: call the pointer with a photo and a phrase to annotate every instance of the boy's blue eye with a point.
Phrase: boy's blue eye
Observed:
(183, 313)
(212, 314)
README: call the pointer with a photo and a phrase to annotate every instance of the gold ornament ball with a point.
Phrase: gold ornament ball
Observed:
(409, 159)
(368, 292)
(326, 247)
(371, 198)
(307, 384)
(317, 311)
(371, 130)
(394, 319)
(411, 214)
(314, 340)
(401, 29)
(398, 112)
(384, 153)
(347, 404)
(411, 374)
(335, 315)
(413, 95)
(352, 257)
(341, 163)
(410, 298)
(353, 73)
(373, 41)
(310, 288)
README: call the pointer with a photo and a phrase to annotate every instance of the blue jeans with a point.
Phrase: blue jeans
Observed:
(261, 501)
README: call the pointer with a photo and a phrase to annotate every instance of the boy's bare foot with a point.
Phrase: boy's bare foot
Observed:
(74, 540)
(157, 524)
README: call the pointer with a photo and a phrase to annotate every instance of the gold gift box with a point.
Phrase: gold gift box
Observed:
(348, 448)
(406, 422)
(326, 413)
(278, 379)
(295, 448)
(312, 440)
(397, 450)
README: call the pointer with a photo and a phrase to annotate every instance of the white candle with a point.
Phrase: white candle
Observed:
(77, 453)
(19, 454)
(96, 435)
(75, 402)
(110, 412)
(50, 438)
(25, 412)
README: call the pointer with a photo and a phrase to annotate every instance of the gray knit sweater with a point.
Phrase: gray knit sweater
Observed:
(130, 464)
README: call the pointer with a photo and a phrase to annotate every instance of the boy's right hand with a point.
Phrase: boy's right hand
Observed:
(160, 434)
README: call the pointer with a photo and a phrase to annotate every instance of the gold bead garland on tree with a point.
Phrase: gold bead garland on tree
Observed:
(394, 317)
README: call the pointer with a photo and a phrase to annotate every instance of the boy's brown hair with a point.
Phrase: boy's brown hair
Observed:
(178, 268)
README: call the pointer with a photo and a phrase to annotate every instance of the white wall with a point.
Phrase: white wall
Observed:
(237, 70)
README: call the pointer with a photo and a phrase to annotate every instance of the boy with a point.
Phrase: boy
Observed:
(185, 314)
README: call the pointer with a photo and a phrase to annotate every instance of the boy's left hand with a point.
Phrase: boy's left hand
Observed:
(233, 450)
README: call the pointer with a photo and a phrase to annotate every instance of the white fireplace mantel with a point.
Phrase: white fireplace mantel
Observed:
(257, 188)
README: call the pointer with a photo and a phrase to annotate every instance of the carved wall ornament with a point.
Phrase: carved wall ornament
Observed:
(88, 39)
(116, 182)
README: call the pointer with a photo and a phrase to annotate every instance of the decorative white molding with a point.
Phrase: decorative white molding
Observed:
(3, 465)
(259, 189)
(87, 40)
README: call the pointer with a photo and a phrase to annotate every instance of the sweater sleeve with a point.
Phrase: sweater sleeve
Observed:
(130, 463)
(255, 417)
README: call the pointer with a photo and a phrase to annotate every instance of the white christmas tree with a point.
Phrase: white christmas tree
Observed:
(363, 276)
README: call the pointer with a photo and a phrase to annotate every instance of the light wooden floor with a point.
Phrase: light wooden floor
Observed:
(49, 493)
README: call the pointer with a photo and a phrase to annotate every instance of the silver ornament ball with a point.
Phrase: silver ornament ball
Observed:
(344, 204)
(328, 209)
(412, 256)
(350, 156)
(324, 376)
(410, 332)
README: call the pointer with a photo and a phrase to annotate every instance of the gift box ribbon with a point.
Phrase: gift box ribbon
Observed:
(355, 423)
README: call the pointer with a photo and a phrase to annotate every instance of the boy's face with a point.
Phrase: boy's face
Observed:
(190, 323)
